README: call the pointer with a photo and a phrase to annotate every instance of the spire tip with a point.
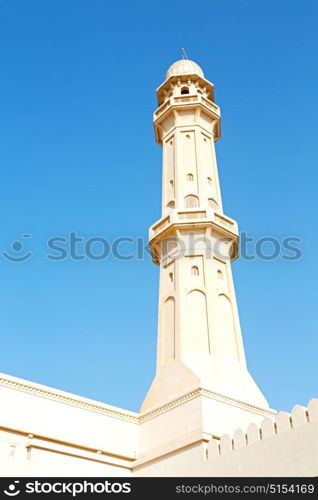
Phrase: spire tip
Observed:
(183, 52)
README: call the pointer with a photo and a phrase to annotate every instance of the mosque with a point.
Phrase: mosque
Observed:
(203, 415)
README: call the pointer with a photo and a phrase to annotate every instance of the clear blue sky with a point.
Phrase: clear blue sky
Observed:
(72, 74)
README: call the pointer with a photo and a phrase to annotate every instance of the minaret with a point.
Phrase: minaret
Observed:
(199, 337)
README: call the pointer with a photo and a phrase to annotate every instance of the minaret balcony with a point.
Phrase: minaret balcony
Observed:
(184, 99)
(194, 219)
(166, 116)
(187, 99)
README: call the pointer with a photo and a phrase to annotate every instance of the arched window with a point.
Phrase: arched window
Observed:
(191, 201)
(209, 180)
(190, 177)
(171, 183)
(171, 277)
(213, 204)
(220, 274)
(195, 271)
(171, 204)
(185, 90)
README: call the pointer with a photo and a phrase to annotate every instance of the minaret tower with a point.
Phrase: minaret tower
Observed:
(199, 337)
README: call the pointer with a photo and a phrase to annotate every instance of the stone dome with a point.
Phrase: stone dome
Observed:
(184, 67)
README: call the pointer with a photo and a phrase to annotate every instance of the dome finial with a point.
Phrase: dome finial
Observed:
(184, 55)
(184, 67)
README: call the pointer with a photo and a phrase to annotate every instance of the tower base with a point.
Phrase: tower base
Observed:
(181, 405)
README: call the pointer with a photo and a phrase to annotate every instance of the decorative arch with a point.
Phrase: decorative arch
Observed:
(196, 290)
(171, 204)
(191, 201)
(197, 337)
(226, 345)
(168, 333)
(213, 203)
(185, 90)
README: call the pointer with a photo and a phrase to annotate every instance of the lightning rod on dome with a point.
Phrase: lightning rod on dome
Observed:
(184, 55)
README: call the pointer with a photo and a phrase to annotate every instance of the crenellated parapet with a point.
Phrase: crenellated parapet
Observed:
(270, 427)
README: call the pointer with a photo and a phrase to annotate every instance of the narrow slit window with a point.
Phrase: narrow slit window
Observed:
(195, 271)
(220, 274)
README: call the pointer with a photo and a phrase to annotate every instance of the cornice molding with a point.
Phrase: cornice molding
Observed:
(208, 394)
(103, 409)
(59, 396)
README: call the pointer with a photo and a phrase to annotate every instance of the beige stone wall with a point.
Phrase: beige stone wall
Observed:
(286, 446)
(46, 432)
